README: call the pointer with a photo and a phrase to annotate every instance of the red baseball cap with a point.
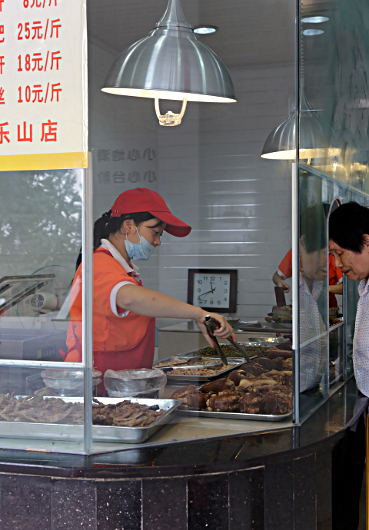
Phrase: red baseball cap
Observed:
(144, 200)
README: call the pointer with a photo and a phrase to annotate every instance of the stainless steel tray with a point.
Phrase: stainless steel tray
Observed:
(210, 362)
(235, 415)
(100, 433)
(196, 353)
(171, 376)
(210, 366)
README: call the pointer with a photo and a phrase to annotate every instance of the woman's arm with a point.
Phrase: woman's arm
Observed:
(336, 289)
(151, 303)
(280, 282)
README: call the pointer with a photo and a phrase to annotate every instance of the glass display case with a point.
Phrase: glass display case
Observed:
(230, 173)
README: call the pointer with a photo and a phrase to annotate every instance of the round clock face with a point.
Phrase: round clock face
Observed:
(212, 290)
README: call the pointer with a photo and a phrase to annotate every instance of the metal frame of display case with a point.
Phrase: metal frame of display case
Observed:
(87, 299)
(87, 331)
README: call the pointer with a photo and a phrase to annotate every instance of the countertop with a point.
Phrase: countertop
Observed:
(207, 442)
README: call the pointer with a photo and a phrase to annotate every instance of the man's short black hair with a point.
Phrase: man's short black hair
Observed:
(348, 225)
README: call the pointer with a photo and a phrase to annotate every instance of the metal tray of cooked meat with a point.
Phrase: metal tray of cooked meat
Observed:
(100, 433)
(234, 363)
(207, 366)
(235, 415)
(250, 347)
(186, 361)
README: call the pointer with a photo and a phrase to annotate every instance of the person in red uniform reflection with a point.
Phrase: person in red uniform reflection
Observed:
(285, 271)
(123, 310)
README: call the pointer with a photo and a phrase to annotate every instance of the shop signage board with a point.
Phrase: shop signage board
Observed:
(43, 84)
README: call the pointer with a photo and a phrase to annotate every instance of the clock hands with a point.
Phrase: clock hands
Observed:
(212, 289)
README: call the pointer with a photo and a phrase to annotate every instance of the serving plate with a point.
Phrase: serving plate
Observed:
(234, 362)
(206, 362)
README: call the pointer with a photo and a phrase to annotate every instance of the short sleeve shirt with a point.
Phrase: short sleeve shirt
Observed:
(361, 340)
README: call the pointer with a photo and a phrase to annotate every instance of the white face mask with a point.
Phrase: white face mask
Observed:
(139, 251)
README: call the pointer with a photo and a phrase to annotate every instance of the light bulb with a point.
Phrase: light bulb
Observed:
(170, 119)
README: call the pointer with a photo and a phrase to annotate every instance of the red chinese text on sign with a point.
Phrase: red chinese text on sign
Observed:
(39, 3)
(25, 138)
(4, 135)
(37, 31)
(49, 131)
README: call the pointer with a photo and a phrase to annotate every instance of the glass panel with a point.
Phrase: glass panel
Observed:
(211, 175)
(40, 239)
(322, 189)
(313, 290)
(334, 69)
(334, 56)
(352, 299)
(336, 352)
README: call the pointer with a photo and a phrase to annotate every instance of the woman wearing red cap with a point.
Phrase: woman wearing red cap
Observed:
(124, 311)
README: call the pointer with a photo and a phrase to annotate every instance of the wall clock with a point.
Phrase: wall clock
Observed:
(214, 290)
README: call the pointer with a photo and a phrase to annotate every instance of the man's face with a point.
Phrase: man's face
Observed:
(355, 265)
(314, 265)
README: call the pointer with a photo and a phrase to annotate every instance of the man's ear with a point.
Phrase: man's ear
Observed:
(366, 239)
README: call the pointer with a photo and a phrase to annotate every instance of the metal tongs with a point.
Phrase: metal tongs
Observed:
(211, 325)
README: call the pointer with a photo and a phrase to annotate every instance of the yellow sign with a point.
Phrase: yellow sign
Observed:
(43, 84)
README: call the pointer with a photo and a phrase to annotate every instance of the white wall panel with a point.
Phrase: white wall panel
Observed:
(241, 216)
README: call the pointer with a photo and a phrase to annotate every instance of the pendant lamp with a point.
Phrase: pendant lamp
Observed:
(281, 142)
(171, 63)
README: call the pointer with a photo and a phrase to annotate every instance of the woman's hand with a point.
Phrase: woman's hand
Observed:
(279, 282)
(150, 303)
(222, 332)
(285, 286)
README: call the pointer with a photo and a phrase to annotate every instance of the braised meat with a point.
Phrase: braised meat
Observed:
(124, 414)
(224, 402)
(262, 386)
(219, 385)
(252, 368)
(273, 353)
(237, 375)
(275, 402)
(283, 377)
(36, 409)
(182, 392)
(287, 364)
(269, 364)
(251, 403)
(191, 398)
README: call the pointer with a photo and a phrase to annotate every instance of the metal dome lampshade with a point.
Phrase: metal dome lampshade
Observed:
(281, 142)
(171, 63)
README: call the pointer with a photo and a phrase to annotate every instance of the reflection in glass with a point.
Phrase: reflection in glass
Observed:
(313, 275)
(337, 81)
